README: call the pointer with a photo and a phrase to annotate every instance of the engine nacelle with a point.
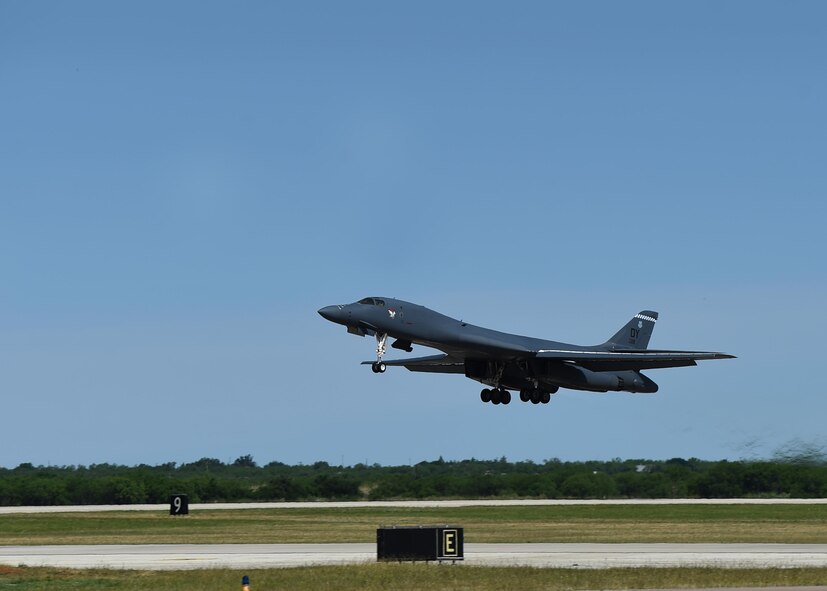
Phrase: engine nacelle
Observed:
(580, 378)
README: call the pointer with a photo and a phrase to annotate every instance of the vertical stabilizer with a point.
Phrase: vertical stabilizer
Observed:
(636, 333)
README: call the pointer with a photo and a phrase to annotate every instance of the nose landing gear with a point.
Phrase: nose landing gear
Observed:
(381, 346)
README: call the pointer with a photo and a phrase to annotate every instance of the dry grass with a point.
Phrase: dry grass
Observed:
(613, 523)
(406, 576)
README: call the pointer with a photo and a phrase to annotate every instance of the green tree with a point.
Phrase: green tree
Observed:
(335, 487)
(589, 486)
(245, 462)
(281, 488)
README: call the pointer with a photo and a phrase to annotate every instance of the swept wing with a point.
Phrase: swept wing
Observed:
(634, 359)
(593, 360)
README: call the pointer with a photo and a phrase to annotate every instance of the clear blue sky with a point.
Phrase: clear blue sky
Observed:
(183, 185)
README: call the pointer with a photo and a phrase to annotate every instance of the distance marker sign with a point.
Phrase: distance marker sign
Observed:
(179, 505)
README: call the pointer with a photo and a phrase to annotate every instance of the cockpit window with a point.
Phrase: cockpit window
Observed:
(372, 302)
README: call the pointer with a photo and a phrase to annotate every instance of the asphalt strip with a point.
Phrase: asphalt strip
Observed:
(540, 555)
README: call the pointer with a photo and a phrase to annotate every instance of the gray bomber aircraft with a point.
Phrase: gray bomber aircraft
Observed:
(536, 368)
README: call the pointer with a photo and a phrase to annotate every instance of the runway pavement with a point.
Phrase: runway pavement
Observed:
(587, 556)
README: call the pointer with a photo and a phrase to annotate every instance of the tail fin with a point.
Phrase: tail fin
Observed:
(636, 333)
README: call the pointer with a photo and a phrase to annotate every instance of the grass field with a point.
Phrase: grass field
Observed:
(601, 523)
(403, 576)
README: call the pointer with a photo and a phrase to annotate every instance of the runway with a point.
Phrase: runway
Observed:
(585, 556)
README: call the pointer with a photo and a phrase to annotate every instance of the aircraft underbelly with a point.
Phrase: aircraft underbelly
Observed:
(527, 373)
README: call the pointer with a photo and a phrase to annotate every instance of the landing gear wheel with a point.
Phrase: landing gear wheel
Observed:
(545, 397)
(496, 396)
(525, 395)
(485, 395)
(378, 367)
(505, 396)
(535, 396)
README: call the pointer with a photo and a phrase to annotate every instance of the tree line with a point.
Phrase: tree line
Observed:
(210, 480)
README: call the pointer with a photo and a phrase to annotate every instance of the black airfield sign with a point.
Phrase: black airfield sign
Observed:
(179, 505)
(419, 543)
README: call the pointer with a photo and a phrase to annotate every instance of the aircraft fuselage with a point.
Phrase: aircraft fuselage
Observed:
(535, 367)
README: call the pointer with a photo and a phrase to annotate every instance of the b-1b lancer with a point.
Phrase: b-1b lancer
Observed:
(536, 368)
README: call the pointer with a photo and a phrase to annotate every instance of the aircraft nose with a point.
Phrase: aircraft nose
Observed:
(332, 313)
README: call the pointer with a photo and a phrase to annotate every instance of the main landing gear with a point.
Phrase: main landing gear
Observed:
(495, 396)
(535, 396)
(503, 396)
